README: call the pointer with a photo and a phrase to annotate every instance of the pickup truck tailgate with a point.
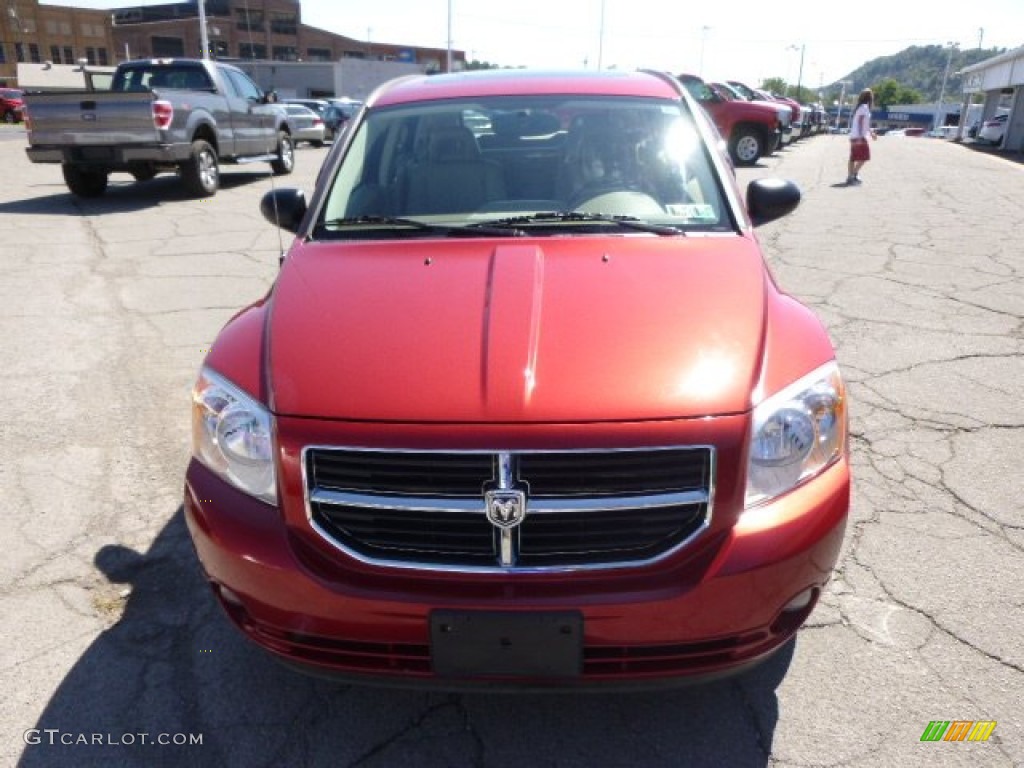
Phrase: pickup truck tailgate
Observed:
(87, 118)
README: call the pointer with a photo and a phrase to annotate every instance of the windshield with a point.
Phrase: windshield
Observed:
(504, 160)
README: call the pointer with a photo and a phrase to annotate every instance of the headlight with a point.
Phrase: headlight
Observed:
(233, 435)
(796, 434)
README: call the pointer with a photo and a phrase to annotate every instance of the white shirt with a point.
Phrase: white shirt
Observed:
(860, 125)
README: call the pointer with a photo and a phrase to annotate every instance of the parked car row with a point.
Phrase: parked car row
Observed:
(753, 122)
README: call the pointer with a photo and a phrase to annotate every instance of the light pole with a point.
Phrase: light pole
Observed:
(448, 57)
(800, 72)
(703, 41)
(842, 95)
(940, 117)
(600, 40)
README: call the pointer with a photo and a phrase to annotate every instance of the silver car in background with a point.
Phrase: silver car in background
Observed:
(303, 123)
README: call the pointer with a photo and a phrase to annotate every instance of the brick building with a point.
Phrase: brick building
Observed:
(250, 30)
(34, 33)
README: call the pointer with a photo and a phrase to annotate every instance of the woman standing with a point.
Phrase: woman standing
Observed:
(860, 129)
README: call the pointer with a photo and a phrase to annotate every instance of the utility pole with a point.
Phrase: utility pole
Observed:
(204, 38)
(800, 74)
(600, 40)
(940, 117)
(842, 95)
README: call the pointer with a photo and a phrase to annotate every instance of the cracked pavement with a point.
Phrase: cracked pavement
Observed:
(109, 628)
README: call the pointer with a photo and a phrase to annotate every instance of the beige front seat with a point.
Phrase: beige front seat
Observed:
(454, 178)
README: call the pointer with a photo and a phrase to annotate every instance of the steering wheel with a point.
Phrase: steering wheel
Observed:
(614, 199)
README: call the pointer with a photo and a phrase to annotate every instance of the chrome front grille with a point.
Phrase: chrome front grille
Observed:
(584, 509)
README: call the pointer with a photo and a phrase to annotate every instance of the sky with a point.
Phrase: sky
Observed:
(728, 39)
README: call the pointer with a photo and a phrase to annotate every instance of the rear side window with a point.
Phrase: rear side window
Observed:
(153, 76)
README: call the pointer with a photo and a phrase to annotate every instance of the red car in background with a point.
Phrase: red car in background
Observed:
(524, 407)
(750, 130)
(797, 111)
(12, 105)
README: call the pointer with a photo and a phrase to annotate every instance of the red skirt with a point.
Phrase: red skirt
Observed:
(859, 150)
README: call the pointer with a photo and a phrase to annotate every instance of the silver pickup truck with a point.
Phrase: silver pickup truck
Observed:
(182, 115)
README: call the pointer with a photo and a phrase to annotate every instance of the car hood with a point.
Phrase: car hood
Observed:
(541, 330)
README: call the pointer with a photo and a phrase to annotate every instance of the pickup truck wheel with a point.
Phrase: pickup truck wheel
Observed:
(85, 182)
(285, 162)
(201, 173)
(746, 146)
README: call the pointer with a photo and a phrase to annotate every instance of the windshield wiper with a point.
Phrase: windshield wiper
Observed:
(546, 217)
(379, 222)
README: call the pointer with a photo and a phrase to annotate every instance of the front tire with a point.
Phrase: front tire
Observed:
(746, 146)
(285, 161)
(85, 182)
(201, 172)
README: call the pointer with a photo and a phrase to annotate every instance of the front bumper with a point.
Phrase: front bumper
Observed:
(717, 607)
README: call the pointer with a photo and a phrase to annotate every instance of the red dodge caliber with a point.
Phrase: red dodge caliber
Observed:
(524, 407)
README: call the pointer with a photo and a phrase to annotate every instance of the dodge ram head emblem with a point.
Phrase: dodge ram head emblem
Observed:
(505, 508)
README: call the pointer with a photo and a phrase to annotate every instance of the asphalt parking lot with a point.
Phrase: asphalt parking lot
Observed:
(112, 644)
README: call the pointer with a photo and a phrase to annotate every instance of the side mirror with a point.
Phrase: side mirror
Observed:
(770, 199)
(270, 97)
(284, 208)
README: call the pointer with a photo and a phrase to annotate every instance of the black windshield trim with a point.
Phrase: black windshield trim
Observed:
(571, 217)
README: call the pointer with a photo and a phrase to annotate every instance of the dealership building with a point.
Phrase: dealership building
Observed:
(998, 83)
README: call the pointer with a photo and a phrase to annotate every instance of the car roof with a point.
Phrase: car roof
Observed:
(515, 82)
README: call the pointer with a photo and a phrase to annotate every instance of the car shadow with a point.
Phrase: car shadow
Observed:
(123, 195)
(173, 668)
(1009, 155)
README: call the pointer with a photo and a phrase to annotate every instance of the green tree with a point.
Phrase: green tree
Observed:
(774, 85)
(909, 96)
(886, 92)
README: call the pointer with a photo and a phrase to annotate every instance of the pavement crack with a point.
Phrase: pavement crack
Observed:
(397, 737)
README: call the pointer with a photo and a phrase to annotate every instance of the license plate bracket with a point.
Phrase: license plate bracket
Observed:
(505, 644)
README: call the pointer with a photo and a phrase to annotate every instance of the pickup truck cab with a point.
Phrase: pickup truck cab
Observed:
(732, 93)
(180, 115)
(751, 130)
(524, 407)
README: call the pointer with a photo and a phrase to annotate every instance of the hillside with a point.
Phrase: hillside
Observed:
(920, 68)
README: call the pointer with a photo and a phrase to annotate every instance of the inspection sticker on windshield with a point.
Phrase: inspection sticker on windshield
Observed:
(692, 211)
